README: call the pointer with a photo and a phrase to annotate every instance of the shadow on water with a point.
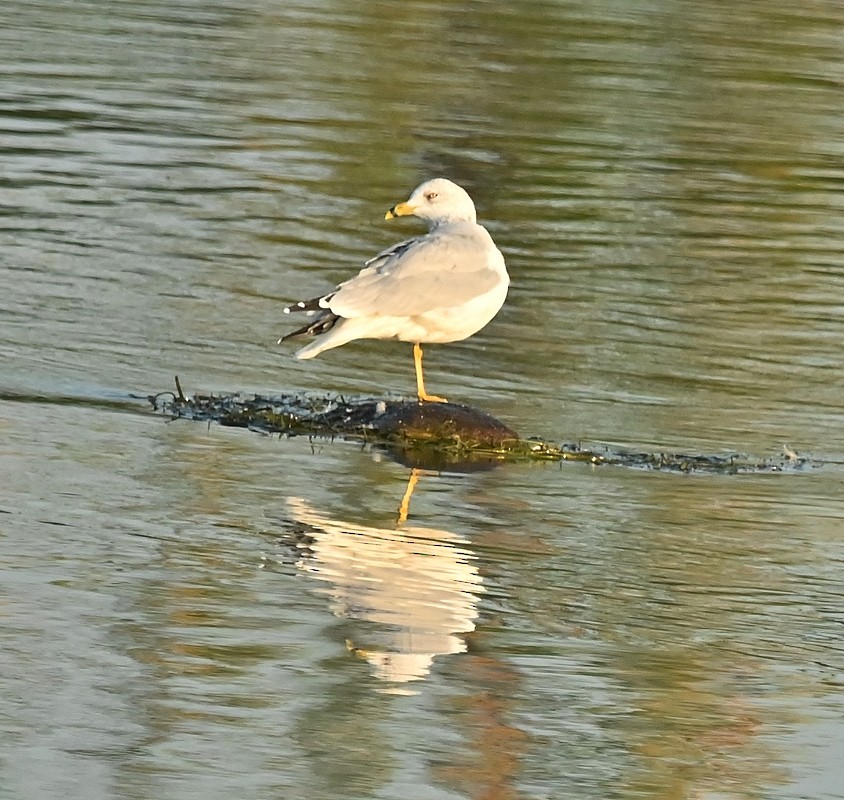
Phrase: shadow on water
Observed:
(120, 401)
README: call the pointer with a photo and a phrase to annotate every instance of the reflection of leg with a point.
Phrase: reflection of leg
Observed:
(420, 381)
(404, 508)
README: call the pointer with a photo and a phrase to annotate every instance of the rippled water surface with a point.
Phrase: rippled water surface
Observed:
(194, 612)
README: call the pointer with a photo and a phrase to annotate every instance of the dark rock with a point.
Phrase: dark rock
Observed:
(443, 422)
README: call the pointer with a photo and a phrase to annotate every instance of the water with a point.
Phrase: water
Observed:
(203, 612)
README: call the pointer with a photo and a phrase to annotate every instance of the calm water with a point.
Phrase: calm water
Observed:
(193, 612)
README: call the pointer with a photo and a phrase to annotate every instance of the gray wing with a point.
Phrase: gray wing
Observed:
(418, 275)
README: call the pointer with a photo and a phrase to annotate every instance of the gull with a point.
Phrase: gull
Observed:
(441, 287)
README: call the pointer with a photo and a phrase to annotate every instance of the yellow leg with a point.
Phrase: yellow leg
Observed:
(404, 508)
(420, 381)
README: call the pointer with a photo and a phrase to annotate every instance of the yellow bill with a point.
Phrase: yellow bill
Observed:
(400, 210)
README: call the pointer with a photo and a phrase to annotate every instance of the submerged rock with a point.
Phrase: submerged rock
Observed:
(434, 435)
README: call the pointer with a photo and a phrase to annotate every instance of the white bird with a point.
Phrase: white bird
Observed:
(440, 287)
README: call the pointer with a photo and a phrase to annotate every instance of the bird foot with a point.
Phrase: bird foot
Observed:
(431, 398)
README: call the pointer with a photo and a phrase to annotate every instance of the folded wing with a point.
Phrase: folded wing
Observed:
(420, 275)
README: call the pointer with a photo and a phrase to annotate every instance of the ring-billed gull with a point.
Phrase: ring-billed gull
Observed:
(440, 287)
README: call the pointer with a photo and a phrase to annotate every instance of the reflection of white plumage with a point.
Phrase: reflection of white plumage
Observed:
(440, 287)
(416, 588)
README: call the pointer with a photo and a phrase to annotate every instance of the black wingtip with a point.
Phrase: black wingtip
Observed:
(322, 324)
(304, 305)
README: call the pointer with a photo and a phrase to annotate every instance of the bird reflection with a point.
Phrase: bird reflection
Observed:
(417, 587)
(404, 506)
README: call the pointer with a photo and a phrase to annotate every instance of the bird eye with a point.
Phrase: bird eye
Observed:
(431, 196)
